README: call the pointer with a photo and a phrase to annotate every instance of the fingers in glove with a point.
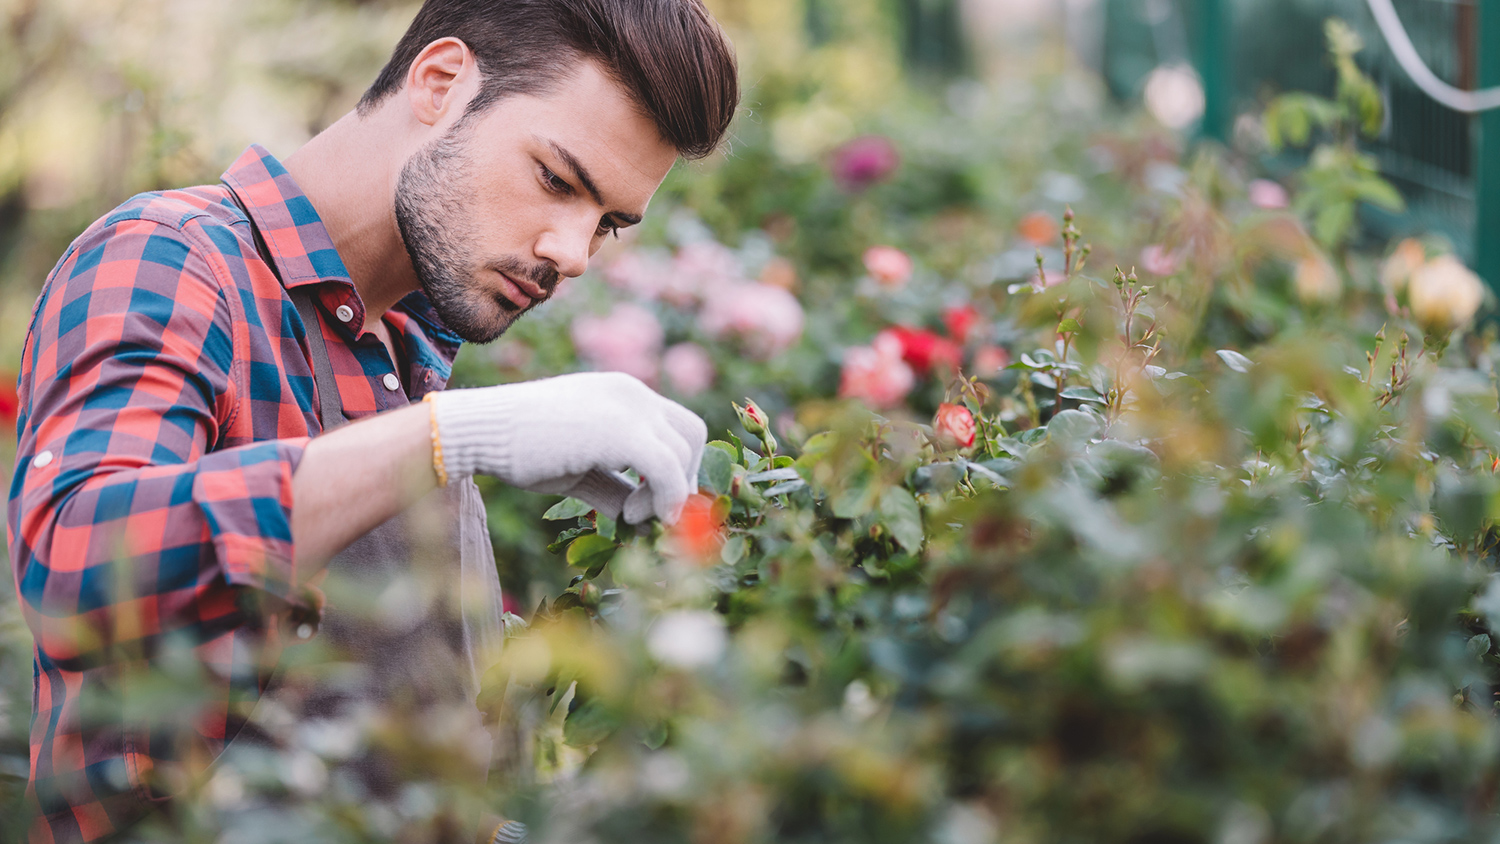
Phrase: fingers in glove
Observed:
(606, 492)
(694, 432)
(663, 474)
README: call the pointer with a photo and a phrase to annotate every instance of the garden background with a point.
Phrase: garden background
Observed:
(1115, 474)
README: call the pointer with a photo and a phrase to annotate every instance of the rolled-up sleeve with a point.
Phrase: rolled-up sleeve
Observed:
(126, 522)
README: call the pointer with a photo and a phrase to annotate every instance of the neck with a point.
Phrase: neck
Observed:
(350, 178)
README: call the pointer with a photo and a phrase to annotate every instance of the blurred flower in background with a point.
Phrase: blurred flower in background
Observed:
(627, 340)
(877, 374)
(689, 368)
(865, 161)
(888, 265)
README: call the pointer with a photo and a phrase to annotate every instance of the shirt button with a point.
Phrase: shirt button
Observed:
(392, 383)
(42, 460)
(344, 313)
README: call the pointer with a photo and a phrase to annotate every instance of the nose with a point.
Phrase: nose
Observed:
(567, 248)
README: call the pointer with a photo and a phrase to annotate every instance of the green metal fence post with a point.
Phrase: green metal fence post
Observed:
(1487, 154)
(1215, 64)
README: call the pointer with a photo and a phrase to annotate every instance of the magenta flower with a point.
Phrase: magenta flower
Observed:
(864, 161)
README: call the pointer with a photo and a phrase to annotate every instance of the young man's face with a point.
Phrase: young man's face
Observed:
(505, 205)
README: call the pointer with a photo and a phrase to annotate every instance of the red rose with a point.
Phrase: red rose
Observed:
(954, 426)
(925, 350)
(960, 320)
(9, 401)
(699, 532)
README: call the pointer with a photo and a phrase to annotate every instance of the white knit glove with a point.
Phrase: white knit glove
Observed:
(571, 435)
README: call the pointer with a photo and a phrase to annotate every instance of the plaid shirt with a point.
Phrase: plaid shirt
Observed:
(166, 396)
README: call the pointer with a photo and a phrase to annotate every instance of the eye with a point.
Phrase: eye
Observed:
(554, 183)
(607, 226)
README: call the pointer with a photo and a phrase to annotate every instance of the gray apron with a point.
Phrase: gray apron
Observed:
(380, 691)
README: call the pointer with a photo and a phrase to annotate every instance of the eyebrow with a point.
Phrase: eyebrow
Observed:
(582, 175)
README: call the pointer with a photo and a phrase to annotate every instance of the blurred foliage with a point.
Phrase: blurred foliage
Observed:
(1218, 564)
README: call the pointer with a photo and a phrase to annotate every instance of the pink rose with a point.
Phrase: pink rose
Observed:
(689, 368)
(888, 265)
(1269, 195)
(864, 161)
(990, 360)
(640, 273)
(953, 426)
(767, 319)
(1157, 260)
(627, 340)
(698, 270)
(876, 373)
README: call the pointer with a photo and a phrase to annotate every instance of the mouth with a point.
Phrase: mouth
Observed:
(522, 294)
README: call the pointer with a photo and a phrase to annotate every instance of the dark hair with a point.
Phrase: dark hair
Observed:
(670, 55)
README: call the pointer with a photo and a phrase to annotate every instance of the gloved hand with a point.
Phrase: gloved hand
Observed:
(571, 435)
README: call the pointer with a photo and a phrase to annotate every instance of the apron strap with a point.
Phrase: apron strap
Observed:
(330, 403)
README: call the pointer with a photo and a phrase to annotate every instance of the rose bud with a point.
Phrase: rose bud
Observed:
(752, 417)
(1397, 270)
(589, 594)
(953, 426)
(1317, 281)
(1444, 294)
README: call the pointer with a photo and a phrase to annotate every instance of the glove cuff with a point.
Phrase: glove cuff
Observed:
(472, 433)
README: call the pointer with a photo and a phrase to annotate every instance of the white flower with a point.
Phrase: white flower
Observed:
(687, 638)
(1444, 294)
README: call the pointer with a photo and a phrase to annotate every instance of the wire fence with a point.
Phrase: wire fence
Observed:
(1431, 152)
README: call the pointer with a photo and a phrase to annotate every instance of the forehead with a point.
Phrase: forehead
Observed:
(591, 116)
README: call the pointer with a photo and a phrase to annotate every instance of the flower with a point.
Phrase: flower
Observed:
(926, 350)
(699, 270)
(1158, 260)
(1316, 280)
(752, 417)
(687, 638)
(953, 426)
(627, 340)
(1398, 269)
(689, 368)
(1269, 195)
(1174, 96)
(1444, 294)
(960, 320)
(699, 531)
(876, 373)
(864, 161)
(779, 272)
(888, 265)
(990, 360)
(10, 402)
(768, 319)
(640, 273)
(1037, 228)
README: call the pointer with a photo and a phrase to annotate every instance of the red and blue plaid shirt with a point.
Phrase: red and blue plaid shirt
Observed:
(166, 396)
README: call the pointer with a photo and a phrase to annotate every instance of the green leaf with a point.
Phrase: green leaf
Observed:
(1082, 394)
(565, 537)
(903, 516)
(1479, 645)
(588, 723)
(589, 551)
(1069, 326)
(1072, 426)
(716, 472)
(773, 475)
(734, 549)
(783, 489)
(656, 736)
(605, 526)
(568, 508)
(1234, 360)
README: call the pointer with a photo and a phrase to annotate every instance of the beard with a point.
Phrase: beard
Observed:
(432, 213)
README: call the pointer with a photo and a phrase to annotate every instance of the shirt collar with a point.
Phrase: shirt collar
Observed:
(291, 227)
(304, 254)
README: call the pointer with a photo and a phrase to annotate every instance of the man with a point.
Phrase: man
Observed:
(175, 486)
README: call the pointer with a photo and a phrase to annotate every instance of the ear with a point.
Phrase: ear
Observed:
(441, 80)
